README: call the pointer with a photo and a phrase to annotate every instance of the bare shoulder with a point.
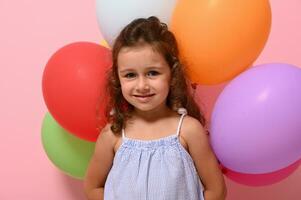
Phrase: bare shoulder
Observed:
(107, 138)
(192, 126)
(193, 130)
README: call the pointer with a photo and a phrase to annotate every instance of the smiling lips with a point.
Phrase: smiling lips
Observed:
(144, 98)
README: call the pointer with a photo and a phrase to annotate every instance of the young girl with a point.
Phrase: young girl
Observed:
(155, 146)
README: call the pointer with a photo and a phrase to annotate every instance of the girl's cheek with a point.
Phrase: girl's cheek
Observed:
(127, 85)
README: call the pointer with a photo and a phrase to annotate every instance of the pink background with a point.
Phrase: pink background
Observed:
(31, 31)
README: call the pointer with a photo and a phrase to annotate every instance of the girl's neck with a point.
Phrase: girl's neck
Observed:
(153, 115)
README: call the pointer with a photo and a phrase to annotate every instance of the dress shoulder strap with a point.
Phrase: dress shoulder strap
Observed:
(182, 112)
(123, 133)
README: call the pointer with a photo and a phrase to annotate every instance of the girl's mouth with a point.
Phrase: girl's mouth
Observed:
(144, 98)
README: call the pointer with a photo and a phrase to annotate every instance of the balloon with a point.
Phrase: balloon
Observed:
(261, 179)
(74, 85)
(255, 124)
(104, 43)
(67, 152)
(114, 15)
(219, 39)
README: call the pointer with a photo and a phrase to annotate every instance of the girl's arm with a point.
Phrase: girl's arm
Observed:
(100, 165)
(205, 160)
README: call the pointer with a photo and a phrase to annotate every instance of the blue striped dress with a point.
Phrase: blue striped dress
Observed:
(153, 170)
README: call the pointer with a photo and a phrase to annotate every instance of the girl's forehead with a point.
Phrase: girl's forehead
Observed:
(139, 55)
(139, 49)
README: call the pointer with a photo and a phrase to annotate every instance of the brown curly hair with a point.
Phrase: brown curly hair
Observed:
(155, 33)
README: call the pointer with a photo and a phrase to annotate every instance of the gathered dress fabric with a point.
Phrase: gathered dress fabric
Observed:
(158, 169)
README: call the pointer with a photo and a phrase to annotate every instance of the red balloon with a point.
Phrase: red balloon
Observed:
(261, 179)
(74, 87)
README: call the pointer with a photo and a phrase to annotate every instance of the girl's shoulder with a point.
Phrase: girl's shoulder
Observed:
(107, 137)
(192, 130)
(192, 124)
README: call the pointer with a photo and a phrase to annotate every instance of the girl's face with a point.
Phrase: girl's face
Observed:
(144, 77)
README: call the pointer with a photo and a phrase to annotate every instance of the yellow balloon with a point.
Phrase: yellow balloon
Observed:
(104, 43)
(218, 39)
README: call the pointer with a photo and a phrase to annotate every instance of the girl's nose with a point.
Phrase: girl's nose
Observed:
(142, 85)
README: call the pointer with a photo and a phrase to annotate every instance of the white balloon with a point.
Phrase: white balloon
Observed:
(114, 15)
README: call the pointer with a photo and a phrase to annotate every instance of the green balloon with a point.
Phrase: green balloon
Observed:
(66, 151)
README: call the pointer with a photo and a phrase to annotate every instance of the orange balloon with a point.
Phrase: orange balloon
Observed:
(219, 39)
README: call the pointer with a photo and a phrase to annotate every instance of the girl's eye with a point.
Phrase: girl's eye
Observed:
(130, 75)
(152, 73)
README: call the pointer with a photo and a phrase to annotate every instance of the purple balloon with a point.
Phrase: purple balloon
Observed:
(256, 121)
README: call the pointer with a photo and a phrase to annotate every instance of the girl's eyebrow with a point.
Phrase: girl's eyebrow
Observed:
(147, 68)
(126, 70)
